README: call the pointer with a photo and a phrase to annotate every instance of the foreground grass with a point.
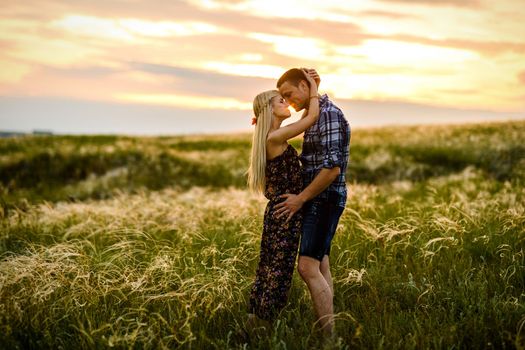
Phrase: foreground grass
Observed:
(433, 261)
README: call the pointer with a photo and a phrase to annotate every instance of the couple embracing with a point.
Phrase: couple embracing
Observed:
(306, 194)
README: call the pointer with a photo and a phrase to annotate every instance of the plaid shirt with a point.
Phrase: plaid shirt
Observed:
(327, 145)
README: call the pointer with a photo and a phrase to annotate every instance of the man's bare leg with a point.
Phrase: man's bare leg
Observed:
(325, 271)
(320, 292)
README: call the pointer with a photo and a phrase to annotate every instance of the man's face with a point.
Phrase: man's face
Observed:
(296, 96)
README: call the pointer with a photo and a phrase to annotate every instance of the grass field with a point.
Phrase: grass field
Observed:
(132, 242)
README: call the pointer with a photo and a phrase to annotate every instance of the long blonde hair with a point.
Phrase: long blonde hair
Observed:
(262, 108)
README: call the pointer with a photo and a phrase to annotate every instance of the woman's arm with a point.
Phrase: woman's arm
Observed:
(287, 132)
(315, 76)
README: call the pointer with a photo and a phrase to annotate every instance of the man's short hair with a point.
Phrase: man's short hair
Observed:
(293, 76)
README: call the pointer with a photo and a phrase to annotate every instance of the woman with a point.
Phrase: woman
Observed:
(275, 170)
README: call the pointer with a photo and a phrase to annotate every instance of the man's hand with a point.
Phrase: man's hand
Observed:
(290, 206)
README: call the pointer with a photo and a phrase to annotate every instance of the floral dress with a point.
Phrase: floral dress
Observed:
(280, 239)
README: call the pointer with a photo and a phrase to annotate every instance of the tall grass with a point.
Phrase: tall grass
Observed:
(427, 255)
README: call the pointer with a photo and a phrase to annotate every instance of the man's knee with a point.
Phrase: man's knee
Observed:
(325, 265)
(308, 267)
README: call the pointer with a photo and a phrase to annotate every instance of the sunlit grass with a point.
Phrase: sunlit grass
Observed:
(429, 259)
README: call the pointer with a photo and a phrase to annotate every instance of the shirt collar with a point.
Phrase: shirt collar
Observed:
(323, 101)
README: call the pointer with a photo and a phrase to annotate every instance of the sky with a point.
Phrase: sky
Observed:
(178, 67)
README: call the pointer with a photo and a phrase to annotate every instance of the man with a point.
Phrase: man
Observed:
(325, 158)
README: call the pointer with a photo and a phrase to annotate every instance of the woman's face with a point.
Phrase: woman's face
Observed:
(280, 107)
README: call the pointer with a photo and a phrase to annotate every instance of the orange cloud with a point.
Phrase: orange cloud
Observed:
(521, 77)
(387, 14)
(483, 47)
(459, 3)
(240, 23)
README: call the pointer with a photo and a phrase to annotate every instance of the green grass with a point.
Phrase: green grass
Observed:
(153, 242)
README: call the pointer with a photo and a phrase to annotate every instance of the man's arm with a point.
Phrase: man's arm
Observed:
(294, 202)
(330, 137)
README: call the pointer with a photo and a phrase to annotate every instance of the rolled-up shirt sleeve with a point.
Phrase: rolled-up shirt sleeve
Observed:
(331, 138)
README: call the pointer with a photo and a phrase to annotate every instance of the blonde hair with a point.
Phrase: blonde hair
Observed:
(262, 108)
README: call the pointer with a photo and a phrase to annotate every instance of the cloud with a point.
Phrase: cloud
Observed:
(155, 9)
(521, 77)
(332, 32)
(153, 83)
(387, 14)
(460, 91)
(366, 113)
(222, 46)
(233, 26)
(483, 47)
(6, 45)
(458, 3)
(207, 83)
(229, 2)
(210, 51)
(95, 72)
(177, 11)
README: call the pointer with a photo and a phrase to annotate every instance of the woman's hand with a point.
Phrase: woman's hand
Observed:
(311, 81)
(313, 73)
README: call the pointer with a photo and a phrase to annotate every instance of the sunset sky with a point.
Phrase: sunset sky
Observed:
(169, 67)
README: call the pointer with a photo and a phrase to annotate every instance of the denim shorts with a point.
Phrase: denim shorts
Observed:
(320, 219)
